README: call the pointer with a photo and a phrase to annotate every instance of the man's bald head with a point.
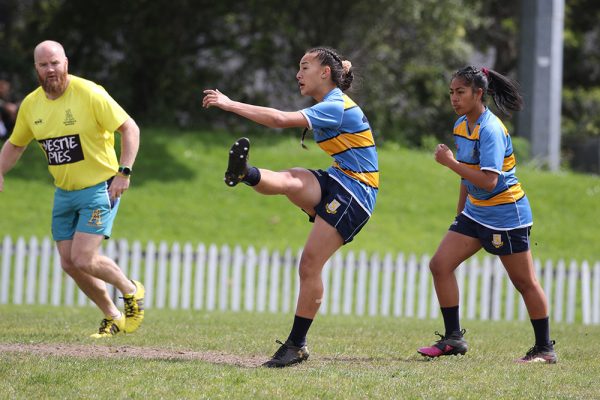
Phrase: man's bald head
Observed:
(48, 47)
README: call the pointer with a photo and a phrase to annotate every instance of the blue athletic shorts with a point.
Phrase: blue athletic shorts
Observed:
(495, 242)
(338, 207)
(87, 210)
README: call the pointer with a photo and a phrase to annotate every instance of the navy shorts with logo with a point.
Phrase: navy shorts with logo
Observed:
(338, 207)
(494, 241)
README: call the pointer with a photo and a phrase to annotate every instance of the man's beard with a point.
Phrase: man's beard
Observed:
(56, 86)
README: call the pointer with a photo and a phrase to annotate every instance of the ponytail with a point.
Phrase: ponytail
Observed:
(504, 91)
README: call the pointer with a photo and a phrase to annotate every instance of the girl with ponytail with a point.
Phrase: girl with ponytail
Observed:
(493, 211)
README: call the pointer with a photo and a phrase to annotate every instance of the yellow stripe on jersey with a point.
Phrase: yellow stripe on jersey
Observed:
(348, 102)
(368, 178)
(510, 195)
(461, 130)
(345, 141)
(472, 166)
(509, 162)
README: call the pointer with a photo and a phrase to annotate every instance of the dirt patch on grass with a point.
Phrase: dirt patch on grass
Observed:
(88, 351)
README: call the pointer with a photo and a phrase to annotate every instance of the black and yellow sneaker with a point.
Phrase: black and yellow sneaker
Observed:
(452, 344)
(110, 327)
(134, 308)
(288, 354)
(540, 354)
(238, 162)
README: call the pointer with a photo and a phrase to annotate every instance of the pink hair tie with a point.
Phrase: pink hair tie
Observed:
(485, 71)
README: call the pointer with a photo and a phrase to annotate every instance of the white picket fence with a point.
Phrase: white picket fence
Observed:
(212, 278)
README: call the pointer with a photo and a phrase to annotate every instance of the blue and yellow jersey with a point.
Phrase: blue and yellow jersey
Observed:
(75, 131)
(342, 131)
(489, 147)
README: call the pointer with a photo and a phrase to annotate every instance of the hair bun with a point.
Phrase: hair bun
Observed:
(346, 65)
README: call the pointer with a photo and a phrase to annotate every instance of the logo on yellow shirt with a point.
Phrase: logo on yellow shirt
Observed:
(69, 120)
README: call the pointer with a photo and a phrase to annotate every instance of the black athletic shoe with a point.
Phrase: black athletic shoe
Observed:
(237, 168)
(543, 354)
(288, 354)
(452, 344)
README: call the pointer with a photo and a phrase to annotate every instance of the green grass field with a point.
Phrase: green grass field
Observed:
(351, 358)
(177, 194)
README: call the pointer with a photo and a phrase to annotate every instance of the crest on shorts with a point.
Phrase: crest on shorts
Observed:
(497, 240)
(332, 207)
(95, 219)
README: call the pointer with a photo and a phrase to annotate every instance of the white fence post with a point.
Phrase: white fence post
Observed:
(361, 286)
(7, 254)
(174, 283)
(263, 266)
(348, 283)
(149, 274)
(211, 283)
(161, 280)
(410, 286)
(423, 294)
(498, 278)
(57, 275)
(20, 253)
(559, 293)
(236, 278)
(274, 281)
(596, 294)
(473, 277)
(250, 279)
(199, 276)
(286, 289)
(186, 281)
(572, 291)
(136, 261)
(373, 284)
(32, 258)
(399, 290)
(486, 272)
(336, 285)
(224, 275)
(386, 283)
(46, 255)
(586, 310)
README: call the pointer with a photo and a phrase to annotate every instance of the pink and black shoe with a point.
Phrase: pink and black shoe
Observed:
(452, 344)
(540, 354)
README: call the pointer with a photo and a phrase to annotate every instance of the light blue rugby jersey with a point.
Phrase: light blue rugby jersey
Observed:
(489, 147)
(341, 129)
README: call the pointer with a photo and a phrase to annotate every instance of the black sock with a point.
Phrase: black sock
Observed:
(451, 322)
(541, 329)
(299, 330)
(252, 176)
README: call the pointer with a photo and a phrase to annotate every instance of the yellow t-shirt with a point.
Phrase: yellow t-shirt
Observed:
(75, 131)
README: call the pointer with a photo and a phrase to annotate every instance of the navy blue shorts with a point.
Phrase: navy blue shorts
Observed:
(338, 207)
(495, 242)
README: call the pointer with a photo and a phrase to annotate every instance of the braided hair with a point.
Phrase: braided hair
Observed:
(504, 91)
(341, 70)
